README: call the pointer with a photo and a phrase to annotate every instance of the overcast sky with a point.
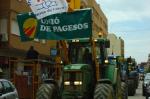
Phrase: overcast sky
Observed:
(130, 20)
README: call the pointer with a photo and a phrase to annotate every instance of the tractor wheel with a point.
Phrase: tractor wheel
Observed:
(103, 91)
(124, 90)
(47, 91)
(131, 88)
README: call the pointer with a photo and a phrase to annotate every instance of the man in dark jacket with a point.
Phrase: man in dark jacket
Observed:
(32, 53)
(87, 57)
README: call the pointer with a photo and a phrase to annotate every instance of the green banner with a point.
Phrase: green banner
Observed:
(71, 25)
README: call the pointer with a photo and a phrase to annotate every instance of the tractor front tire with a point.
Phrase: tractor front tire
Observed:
(131, 88)
(103, 91)
(124, 90)
(47, 91)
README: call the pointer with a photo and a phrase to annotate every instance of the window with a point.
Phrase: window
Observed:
(3, 25)
(3, 29)
(7, 87)
(15, 27)
(1, 88)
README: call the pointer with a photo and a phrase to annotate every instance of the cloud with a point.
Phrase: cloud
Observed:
(120, 16)
(130, 19)
(125, 10)
(137, 48)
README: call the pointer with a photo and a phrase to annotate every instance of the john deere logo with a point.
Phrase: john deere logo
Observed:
(29, 27)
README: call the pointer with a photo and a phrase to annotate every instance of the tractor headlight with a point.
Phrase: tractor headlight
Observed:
(66, 83)
(106, 62)
(95, 40)
(75, 40)
(77, 82)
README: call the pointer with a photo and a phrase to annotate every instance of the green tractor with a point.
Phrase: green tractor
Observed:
(86, 58)
(87, 77)
(133, 79)
(116, 65)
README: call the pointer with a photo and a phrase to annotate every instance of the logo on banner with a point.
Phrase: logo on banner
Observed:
(43, 8)
(29, 27)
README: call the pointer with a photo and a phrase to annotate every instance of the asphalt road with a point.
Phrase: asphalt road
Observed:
(138, 94)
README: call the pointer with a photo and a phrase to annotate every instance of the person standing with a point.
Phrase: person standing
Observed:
(32, 53)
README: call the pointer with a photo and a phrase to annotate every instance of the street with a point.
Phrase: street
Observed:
(138, 94)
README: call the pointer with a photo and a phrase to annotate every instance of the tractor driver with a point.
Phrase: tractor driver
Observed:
(87, 57)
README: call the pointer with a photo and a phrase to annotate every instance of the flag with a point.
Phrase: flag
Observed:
(43, 8)
(71, 25)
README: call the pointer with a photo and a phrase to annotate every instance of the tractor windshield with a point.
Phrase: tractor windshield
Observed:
(79, 53)
(73, 80)
(82, 53)
(112, 60)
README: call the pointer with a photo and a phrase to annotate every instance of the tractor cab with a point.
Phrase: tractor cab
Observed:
(89, 51)
(86, 50)
(115, 59)
(112, 59)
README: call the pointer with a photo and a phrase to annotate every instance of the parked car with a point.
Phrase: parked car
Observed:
(146, 81)
(148, 91)
(7, 90)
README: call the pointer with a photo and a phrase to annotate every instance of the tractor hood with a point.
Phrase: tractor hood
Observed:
(75, 67)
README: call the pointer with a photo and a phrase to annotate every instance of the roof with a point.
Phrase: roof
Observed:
(32, 61)
(4, 80)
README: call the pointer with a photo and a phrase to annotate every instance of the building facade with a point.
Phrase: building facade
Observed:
(100, 24)
(11, 46)
(116, 45)
(9, 31)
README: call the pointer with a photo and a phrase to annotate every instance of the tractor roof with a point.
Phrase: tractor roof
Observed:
(86, 40)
